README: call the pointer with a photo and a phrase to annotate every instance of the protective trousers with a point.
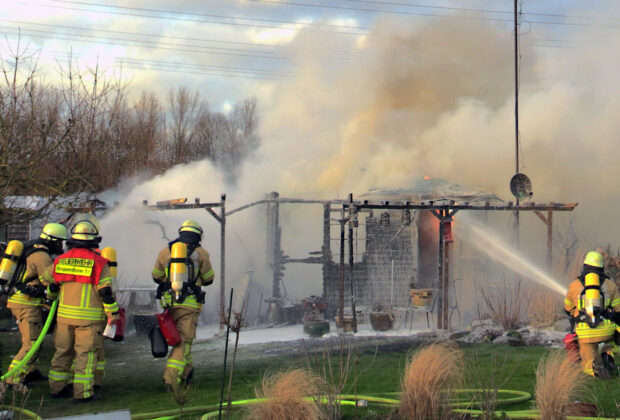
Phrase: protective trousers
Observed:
(179, 363)
(30, 323)
(589, 354)
(100, 369)
(82, 343)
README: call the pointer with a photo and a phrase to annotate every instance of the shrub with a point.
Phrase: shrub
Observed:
(558, 382)
(546, 308)
(285, 397)
(508, 306)
(430, 374)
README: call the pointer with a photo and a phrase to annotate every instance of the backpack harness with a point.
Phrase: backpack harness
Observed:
(606, 313)
(189, 287)
(19, 284)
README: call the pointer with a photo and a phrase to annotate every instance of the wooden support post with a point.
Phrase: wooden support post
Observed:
(550, 239)
(223, 259)
(326, 248)
(446, 286)
(350, 220)
(341, 283)
(440, 281)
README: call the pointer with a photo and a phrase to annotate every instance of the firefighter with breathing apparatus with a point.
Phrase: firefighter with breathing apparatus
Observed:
(83, 280)
(181, 269)
(22, 270)
(593, 303)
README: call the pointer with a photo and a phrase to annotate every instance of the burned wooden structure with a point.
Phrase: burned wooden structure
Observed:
(357, 282)
(391, 231)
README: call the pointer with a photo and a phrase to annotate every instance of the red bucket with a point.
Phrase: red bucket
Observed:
(120, 325)
(168, 328)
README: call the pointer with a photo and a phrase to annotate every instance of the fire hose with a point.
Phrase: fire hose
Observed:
(36, 344)
(27, 357)
(509, 397)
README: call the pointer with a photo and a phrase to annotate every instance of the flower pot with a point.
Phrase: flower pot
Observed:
(347, 323)
(316, 328)
(382, 321)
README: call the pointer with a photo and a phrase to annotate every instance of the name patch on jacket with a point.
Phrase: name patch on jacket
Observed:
(75, 266)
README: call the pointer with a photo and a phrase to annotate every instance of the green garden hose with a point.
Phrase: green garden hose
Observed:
(36, 344)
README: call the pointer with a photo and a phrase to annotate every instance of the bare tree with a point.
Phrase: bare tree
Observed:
(187, 109)
(32, 131)
(84, 135)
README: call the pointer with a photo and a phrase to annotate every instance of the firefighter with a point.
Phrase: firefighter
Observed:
(83, 281)
(27, 300)
(593, 303)
(185, 305)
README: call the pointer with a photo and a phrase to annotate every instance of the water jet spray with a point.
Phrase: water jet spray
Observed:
(496, 248)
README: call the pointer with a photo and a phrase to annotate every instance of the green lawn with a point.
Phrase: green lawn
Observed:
(134, 378)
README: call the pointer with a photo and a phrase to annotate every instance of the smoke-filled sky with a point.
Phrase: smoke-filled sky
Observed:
(355, 94)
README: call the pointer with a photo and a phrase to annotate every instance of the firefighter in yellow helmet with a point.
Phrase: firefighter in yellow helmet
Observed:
(82, 278)
(27, 300)
(593, 301)
(184, 302)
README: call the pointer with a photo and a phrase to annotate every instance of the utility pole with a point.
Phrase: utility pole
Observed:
(516, 46)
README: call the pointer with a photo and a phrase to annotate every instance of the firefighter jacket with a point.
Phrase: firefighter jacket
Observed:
(573, 304)
(37, 263)
(82, 274)
(202, 276)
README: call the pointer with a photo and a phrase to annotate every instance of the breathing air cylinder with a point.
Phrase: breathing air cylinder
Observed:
(178, 268)
(8, 265)
(109, 254)
(593, 304)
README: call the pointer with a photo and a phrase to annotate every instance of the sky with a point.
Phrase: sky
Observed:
(358, 94)
(237, 48)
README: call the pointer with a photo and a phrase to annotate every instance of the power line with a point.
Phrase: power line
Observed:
(186, 68)
(359, 9)
(425, 6)
(131, 40)
(463, 9)
(298, 24)
(201, 40)
(133, 43)
(19, 22)
(144, 9)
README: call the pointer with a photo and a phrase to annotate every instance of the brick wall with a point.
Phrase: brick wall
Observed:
(388, 239)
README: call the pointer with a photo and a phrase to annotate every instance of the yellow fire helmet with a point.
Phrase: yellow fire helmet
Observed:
(594, 259)
(191, 226)
(84, 230)
(54, 231)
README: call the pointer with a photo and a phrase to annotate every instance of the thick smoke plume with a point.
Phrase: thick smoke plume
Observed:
(432, 98)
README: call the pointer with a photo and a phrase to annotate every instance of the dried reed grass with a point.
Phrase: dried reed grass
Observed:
(558, 382)
(285, 397)
(431, 373)
(509, 305)
(546, 308)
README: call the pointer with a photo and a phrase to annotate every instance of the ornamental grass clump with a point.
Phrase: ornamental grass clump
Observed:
(431, 373)
(559, 381)
(288, 395)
